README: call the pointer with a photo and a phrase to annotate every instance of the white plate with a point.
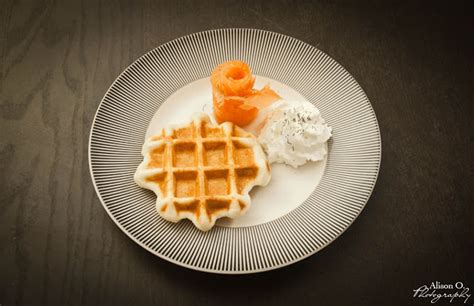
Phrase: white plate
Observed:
(298, 213)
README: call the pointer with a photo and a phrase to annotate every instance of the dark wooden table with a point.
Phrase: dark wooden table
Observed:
(59, 247)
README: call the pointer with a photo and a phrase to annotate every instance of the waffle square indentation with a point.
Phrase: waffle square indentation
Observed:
(217, 182)
(243, 155)
(184, 133)
(157, 157)
(160, 180)
(215, 205)
(191, 207)
(184, 154)
(186, 184)
(211, 132)
(244, 176)
(214, 153)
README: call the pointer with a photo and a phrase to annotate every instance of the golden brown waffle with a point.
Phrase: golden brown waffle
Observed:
(201, 171)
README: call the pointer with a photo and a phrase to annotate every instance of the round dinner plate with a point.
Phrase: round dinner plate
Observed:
(300, 212)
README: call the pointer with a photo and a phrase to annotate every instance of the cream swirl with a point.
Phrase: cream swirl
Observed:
(294, 133)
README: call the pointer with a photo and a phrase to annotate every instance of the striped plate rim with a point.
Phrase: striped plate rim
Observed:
(127, 107)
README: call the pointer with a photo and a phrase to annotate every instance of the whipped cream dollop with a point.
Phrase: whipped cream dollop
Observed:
(294, 133)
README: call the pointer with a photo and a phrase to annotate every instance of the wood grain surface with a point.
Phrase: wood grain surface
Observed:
(59, 247)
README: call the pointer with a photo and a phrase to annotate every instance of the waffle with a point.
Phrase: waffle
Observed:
(201, 171)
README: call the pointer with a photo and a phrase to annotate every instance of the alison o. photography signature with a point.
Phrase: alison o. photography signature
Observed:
(437, 291)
